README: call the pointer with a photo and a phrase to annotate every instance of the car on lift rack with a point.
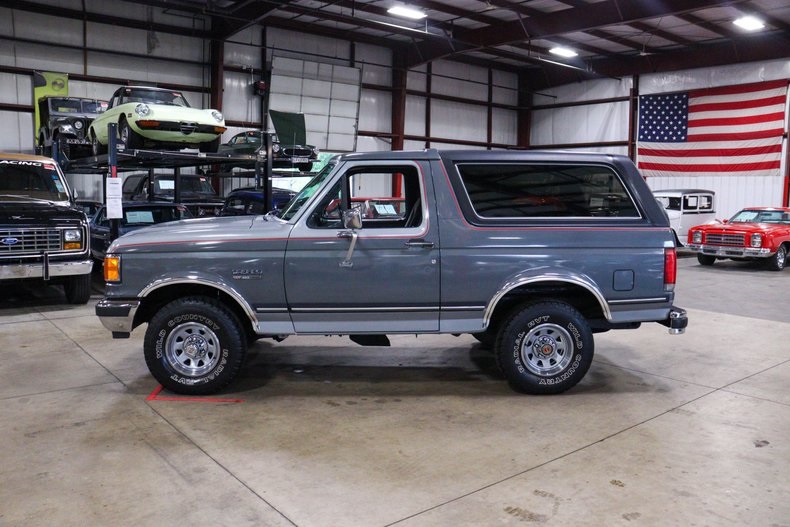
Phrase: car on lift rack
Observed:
(250, 142)
(136, 215)
(65, 120)
(158, 118)
(195, 191)
(754, 233)
(247, 201)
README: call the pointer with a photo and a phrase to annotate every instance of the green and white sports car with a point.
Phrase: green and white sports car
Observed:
(157, 118)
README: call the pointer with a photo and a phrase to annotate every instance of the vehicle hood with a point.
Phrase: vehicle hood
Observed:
(168, 112)
(38, 213)
(227, 233)
(738, 228)
(289, 127)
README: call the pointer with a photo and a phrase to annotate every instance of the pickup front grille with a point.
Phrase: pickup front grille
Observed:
(725, 240)
(29, 241)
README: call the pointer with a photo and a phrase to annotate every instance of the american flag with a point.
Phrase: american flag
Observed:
(733, 130)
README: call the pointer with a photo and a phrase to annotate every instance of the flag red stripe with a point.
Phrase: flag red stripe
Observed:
(709, 152)
(739, 88)
(735, 121)
(735, 136)
(735, 167)
(737, 105)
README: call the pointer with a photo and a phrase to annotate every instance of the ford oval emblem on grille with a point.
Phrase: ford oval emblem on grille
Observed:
(9, 241)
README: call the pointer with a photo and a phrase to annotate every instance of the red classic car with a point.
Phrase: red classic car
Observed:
(753, 233)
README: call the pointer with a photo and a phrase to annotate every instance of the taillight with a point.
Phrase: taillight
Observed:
(670, 268)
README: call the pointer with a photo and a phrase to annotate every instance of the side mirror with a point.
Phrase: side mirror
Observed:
(352, 219)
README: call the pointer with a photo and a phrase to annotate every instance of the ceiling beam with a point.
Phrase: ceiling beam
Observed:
(586, 18)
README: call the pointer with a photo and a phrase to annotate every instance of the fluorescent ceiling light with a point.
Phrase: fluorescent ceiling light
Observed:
(563, 52)
(407, 12)
(749, 23)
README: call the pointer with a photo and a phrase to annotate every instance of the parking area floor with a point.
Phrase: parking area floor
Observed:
(664, 430)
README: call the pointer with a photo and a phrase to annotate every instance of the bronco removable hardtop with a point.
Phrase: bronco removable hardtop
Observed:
(531, 252)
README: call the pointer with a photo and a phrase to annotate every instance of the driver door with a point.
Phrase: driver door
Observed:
(380, 278)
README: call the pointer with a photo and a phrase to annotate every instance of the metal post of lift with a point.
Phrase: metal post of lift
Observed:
(267, 189)
(176, 185)
(112, 168)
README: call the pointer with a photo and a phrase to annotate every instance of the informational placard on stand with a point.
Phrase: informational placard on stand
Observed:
(114, 194)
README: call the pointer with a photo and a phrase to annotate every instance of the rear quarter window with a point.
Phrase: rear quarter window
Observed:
(527, 191)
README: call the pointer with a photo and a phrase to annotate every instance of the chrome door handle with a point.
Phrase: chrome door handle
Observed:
(419, 243)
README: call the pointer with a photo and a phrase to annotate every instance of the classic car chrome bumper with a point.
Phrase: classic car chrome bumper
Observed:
(11, 271)
(730, 252)
(117, 316)
(676, 321)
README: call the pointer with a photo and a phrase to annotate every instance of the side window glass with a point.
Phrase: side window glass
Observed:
(387, 197)
(545, 191)
(690, 202)
(705, 203)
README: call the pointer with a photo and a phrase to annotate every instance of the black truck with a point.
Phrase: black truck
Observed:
(43, 234)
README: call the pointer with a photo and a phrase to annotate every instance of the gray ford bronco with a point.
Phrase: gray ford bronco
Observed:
(530, 252)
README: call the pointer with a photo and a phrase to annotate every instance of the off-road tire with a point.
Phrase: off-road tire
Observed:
(194, 346)
(544, 348)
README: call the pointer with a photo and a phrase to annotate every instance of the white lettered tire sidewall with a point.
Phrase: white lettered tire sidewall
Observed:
(211, 361)
(545, 348)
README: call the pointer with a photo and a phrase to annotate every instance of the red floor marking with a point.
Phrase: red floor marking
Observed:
(154, 396)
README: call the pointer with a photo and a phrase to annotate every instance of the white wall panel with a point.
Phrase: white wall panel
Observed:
(580, 124)
(17, 133)
(711, 77)
(376, 62)
(244, 48)
(504, 126)
(40, 57)
(453, 146)
(467, 81)
(452, 120)
(155, 44)
(410, 144)
(134, 11)
(415, 115)
(238, 101)
(92, 90)
(375, 111)
(505, 90)
(140, 69)
(16, 89)
(284, 43)
(732, 192)
(417, 78)
(46, 28)
(584, 91)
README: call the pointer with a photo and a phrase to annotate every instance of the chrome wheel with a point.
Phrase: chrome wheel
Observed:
(192, 349)
(547, 350)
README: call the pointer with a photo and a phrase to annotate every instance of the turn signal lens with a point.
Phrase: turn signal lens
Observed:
(112, 269)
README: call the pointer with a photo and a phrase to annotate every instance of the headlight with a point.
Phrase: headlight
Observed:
(72, 239)
(217, 115)
(696, 237)
(142, 110)
(757, 240)
(276, 147)
(315, 150)
(78, 125)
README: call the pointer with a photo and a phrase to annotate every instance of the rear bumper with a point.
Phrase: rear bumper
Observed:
(677, 321)
(44, 270)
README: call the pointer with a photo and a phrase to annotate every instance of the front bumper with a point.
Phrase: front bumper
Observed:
(677, 321)
(45, 270)
(117, 316)
(730, 252)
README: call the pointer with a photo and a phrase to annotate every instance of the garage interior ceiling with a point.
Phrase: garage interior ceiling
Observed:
(613, 38)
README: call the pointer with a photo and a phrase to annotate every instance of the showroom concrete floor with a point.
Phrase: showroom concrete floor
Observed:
(664, 430)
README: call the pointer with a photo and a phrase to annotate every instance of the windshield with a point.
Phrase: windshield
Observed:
(199, 184)
(60, 105)
(20, 180)
(155, 97)
(296, 204)
(761, 216)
